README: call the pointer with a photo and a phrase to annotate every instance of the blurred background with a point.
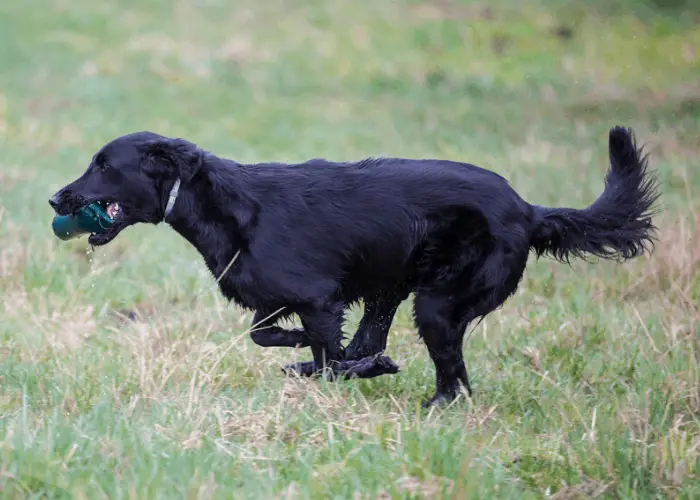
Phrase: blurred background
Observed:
(526, 88)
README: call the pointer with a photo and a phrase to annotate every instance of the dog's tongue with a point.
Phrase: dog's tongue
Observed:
(113, 210)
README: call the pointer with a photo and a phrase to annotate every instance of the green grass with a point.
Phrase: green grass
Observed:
(587, 382)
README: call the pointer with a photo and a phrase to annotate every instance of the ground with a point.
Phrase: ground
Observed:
(123, 372)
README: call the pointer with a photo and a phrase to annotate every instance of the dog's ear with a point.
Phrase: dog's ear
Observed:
(170, 158)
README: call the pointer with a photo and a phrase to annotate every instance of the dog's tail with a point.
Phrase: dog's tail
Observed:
(618, 225)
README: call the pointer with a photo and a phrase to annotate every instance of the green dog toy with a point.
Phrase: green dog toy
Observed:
(90, 219)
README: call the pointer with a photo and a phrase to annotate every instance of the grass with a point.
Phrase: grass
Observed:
(123, 372)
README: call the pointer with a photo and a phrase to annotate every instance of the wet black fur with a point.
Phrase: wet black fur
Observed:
(315, 237)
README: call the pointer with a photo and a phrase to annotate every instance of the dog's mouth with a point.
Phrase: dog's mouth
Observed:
(113, 209)
(120, 220)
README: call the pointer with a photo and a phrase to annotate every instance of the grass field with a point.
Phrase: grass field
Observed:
(124, 374)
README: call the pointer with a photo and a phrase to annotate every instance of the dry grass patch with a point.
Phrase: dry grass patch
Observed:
(674, 265)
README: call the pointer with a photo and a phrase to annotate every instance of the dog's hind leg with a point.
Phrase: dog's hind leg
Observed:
(442, 316)
(371, 335)
(266, 333)
(442, 330)
(324, 329)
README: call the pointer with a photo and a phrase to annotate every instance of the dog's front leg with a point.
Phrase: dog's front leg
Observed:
(373, 330)
(371, 335)
(323, 327)
(266, 333)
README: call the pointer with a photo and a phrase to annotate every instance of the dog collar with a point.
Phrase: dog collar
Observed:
(171, 198)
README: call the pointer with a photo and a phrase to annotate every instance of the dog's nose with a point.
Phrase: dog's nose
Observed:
(53, 201)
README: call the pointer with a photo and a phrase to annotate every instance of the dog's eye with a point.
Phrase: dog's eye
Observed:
(101, 163)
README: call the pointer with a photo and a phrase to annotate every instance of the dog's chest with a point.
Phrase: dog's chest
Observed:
(236, 283)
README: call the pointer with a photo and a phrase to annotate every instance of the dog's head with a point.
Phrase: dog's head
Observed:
(131, 178)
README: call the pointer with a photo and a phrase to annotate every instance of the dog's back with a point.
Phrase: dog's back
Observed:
(373, 223)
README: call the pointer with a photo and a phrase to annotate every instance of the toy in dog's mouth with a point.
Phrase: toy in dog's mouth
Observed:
(102, 220)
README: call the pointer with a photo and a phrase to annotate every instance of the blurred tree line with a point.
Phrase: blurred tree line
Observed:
(686, 11)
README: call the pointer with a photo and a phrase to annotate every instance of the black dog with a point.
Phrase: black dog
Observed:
(311, 239)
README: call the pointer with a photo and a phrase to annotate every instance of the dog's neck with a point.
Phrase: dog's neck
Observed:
(213, 212)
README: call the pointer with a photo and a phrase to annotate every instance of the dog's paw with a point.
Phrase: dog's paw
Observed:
(303, 369)
(369, 367)
(443, 399)
(285, 338)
